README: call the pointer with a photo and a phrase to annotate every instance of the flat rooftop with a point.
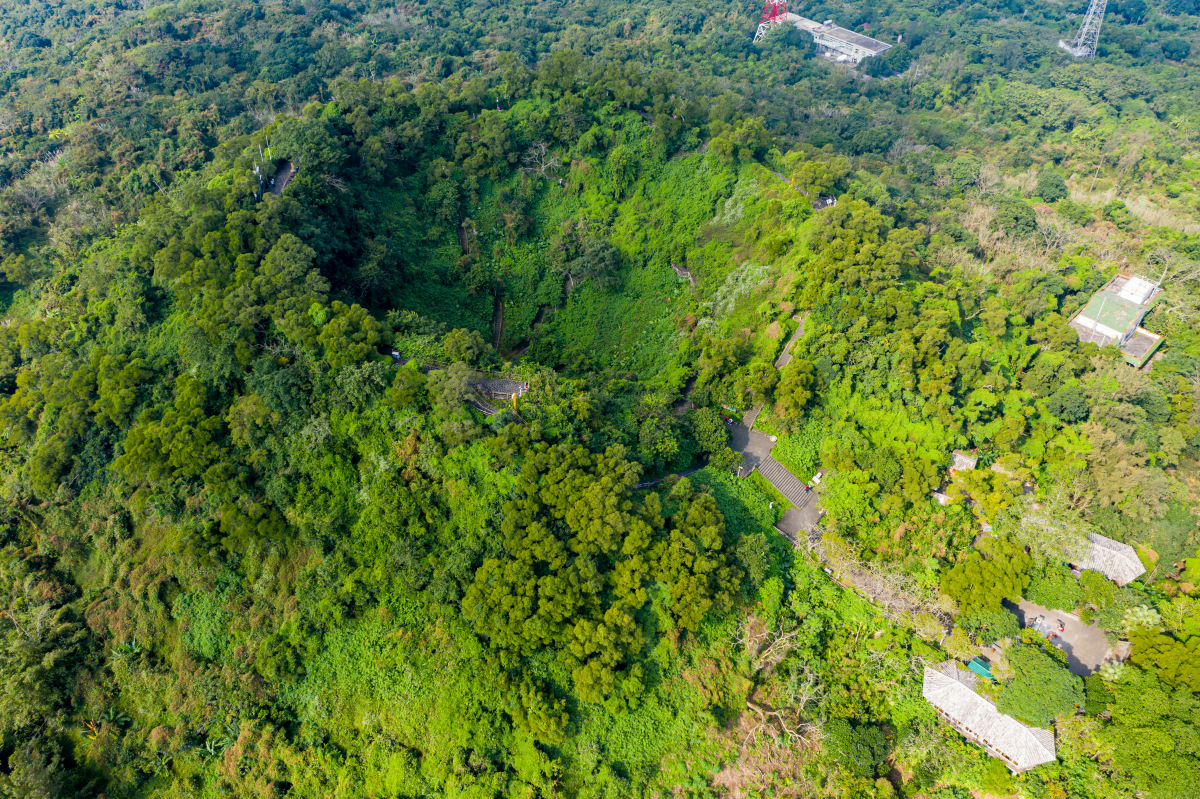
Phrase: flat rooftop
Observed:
(1109, 308)
(1140, 344)
(841, 34)
(1090, 335)
(1135, 289)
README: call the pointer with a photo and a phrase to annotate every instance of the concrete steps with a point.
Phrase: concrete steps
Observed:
(785, 482)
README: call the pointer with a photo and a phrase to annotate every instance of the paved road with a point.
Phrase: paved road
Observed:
(796, 522)
(754, 446)
(1085, 644)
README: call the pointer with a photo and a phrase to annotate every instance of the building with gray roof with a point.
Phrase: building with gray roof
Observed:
(838, 43)
(1116, 561)
(950, 690)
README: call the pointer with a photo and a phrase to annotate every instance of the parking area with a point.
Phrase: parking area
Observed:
(1085, 644)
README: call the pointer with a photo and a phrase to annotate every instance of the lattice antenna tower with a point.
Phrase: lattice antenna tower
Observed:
(774, 13)
(1089, 32)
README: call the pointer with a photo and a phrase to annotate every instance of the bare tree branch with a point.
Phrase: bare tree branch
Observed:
(539, 159)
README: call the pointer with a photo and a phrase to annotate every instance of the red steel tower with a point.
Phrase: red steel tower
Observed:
(774, 13)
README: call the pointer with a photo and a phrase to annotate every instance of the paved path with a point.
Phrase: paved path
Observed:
(1085, 644)
(755, 448)
(785, 357)
(783, 360)
(797, 523)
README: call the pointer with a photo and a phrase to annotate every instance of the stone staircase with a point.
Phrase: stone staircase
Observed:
(785, 482)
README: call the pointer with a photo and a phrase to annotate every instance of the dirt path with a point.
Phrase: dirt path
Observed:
(685, 274)
(656, 480)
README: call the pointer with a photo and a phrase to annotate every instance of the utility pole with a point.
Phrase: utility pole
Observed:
(1089, 32)
(774, 13)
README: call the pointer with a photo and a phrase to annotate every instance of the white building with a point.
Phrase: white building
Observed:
(838, 43)
(1114, 316)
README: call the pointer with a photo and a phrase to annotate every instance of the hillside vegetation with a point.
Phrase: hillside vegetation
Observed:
(262, 535)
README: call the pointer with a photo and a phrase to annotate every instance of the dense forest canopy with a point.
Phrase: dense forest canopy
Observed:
(369, 379)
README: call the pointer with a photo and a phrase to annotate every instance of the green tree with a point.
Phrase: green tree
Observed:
(448, 388)
(985, 577)
(1015, 217)
(408, 387)
(580, 559)
(795, 388)
(1149, 737)
(989, 626)
(709, 430)
(1042, 690)
(1053, 586)
(1069, 404)
(467, 346)
(1175, 662)
(1051, 187)
(348, 335)
(43, 642)
(820, 176)
(964, 170)
(693, 565)
(179, 441)
(859, 749)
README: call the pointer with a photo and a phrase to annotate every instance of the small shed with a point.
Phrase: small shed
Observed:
(1116, 561)
(963, 462)
(982, 668)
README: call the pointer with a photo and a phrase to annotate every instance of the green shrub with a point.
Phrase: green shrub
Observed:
(1042, 690)
(997, 779)
(203, 623)
(860, 750)
(1051, 186)
(1079, 213)
(1054, 587)
(988, 626)
(1099, 696)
